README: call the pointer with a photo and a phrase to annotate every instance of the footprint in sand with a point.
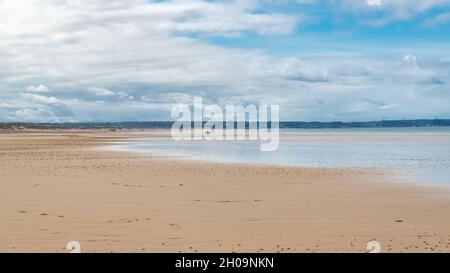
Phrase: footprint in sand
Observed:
(128, 220)
(175, 226)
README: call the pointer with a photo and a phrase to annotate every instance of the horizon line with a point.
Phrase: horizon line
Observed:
(171, 121)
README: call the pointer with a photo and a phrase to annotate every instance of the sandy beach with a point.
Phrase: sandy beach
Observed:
(56, 187)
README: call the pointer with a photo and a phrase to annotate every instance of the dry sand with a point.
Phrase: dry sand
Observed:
(55, 188)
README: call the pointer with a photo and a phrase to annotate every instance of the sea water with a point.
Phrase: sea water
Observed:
(420, 152)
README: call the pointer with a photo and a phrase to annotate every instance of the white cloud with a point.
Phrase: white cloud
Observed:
(410, 59)
(31, 107)
(124, 95)
(41, 99)
(38, 89)
(374, 2)
(101, 92)
(35, 115)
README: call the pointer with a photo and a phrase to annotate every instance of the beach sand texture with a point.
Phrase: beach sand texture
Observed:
(55, 188)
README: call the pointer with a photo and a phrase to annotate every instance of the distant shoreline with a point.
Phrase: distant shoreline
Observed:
(283, 125)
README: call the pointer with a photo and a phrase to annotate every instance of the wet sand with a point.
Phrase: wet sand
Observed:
(56, 187)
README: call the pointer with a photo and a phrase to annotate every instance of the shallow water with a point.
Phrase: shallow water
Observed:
(423, 153)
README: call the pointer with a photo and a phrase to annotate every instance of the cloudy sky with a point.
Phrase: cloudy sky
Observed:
(326, 60)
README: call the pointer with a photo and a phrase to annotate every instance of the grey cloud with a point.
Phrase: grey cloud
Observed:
(49, 108)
